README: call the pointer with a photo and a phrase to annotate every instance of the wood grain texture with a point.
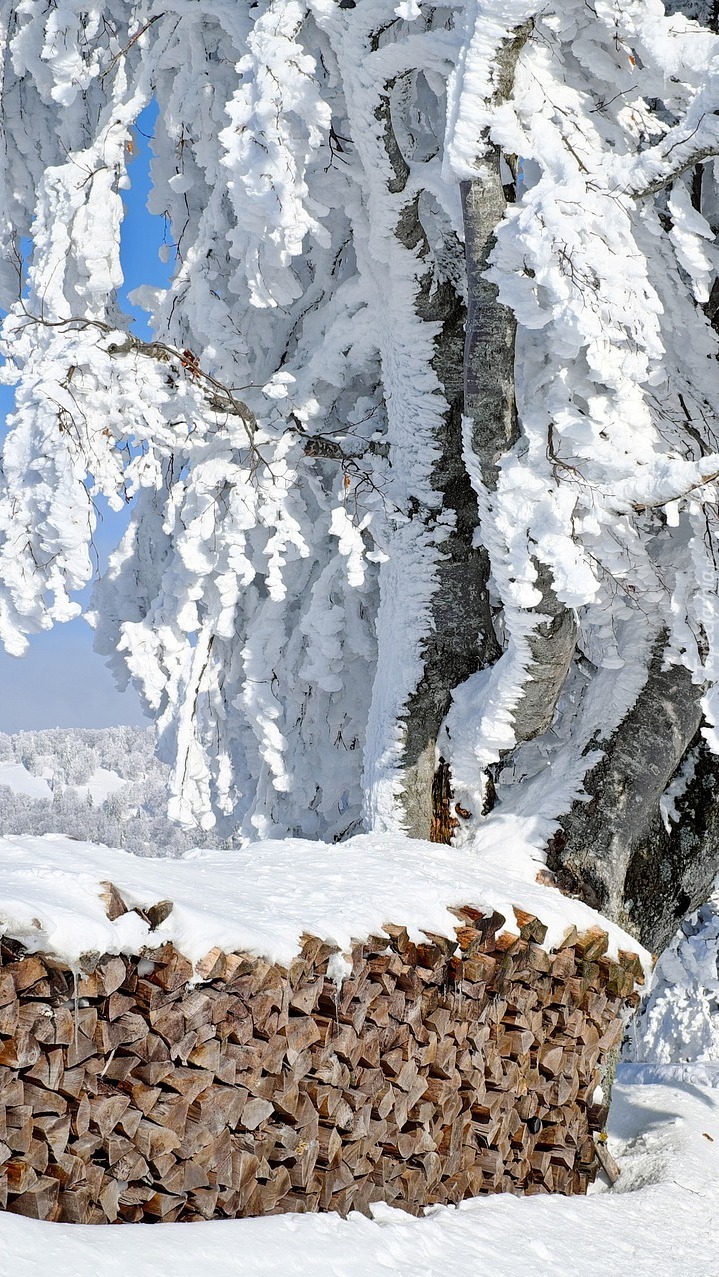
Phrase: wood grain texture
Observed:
(436, 1071)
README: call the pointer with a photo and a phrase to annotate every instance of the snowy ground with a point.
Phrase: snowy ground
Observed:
(662, 1220)
(21, 781)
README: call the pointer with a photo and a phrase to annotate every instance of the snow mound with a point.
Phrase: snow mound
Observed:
(263, 897)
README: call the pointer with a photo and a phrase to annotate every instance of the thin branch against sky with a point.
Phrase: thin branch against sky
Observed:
(62, 682)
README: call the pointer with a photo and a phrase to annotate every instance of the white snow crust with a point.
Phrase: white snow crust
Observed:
(659, 1221)
(262, 898)
(21, 781)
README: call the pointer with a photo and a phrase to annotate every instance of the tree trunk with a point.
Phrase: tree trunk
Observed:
(614, 850)
(489, 403)
(475, 363)
(462, 638)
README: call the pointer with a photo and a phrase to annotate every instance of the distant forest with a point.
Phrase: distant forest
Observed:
(133, 817)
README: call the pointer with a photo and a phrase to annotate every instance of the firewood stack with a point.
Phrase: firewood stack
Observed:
(432, 1073)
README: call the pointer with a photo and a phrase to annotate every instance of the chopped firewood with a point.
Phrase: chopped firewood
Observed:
(609, 1165)
(75, 1204)
(592, 944)
(161, 1204)
(109, 1199)
(550, 1059)
(437, 1070)
(173, 970)
(27, 972)
(254, 1112)
(105, 1113)
(7, 987)
(530, 928)
(20, 1052)
(212, 965)
(20, 1175)
(39, 1201)
(632, 963)
(152, 1140)
(9, 1016)
(37, 1155)
(114, 904)
(156, 914)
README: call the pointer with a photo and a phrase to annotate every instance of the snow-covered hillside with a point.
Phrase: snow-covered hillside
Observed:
(106, 786)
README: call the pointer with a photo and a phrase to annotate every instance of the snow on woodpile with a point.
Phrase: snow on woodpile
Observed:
(263, 897)
(372, 1062)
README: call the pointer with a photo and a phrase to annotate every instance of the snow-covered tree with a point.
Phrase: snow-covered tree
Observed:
(121, 803)
(423, 459)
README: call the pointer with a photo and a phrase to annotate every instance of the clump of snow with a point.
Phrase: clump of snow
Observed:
(676, 789)
(666, 1138)
(679, 1021)
(263, 897)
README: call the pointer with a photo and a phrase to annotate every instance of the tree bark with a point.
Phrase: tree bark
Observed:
(489, 403)
(475, 364)
(461, 640)
(614, 850)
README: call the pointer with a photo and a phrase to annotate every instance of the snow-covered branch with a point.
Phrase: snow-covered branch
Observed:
(680, 151)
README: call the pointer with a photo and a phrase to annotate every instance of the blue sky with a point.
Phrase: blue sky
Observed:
(62, 682)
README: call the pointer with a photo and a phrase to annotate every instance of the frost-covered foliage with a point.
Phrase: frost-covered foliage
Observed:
(70, 756)
(104, 786)
(679, 1022)
(607, 258)
(279, 440)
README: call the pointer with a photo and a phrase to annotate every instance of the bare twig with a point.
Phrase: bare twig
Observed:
(130, 43)
(697, 156)
(220, 397)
